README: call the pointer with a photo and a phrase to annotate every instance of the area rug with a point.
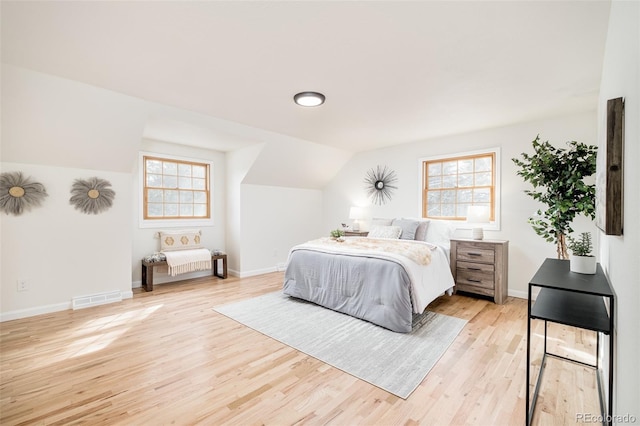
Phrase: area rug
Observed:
(395, 362)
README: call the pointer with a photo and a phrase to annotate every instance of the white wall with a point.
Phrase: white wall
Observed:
(274, 219)
(620, 256)
(61, 252)
(526, 249)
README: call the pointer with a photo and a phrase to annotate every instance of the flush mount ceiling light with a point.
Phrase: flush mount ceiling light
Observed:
(309, 99)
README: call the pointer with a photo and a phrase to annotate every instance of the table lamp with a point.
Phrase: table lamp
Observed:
(478, 216)
(355, 213)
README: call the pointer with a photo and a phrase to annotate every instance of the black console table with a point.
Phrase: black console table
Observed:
(578, 300)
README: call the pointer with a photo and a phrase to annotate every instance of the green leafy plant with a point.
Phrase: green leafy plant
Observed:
(557, 176)
(581, 246)
(337, 233)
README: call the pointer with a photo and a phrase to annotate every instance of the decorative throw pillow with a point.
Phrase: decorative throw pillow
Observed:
(385, 232)
(409, 228)
(179, 240)
(440, 232)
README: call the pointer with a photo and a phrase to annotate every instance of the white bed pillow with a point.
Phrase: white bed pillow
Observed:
(440, 232)
(408, 226)
(385, 232)
(378, 221)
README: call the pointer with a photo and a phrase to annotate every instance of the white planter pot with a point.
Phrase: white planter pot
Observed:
(582, 264)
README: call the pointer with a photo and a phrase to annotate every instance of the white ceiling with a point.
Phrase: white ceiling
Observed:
(392, 72)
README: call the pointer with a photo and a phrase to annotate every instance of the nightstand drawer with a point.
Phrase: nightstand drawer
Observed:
(476, 278)
(478, 267)
(470, 252)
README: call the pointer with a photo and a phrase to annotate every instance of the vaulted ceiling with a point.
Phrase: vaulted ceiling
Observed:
(392, 71)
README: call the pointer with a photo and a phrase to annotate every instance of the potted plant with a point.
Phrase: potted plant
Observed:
(581, 260)
(337, 234)
(557, 176)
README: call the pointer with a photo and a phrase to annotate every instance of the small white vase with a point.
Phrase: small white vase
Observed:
(582, 264)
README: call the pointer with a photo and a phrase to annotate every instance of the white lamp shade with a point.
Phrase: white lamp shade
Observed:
(355, 213)
(478, 214)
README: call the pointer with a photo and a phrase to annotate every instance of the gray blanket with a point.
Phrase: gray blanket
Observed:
(372, 289)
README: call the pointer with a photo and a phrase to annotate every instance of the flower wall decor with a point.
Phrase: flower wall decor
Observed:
(92, 196)
(18, 193)
(380, 184)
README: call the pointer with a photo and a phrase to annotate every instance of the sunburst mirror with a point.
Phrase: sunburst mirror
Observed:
(379, 183)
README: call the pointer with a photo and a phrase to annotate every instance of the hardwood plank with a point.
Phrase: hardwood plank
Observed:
(167, 357)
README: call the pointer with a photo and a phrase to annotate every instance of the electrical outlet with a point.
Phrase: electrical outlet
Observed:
(23, 285)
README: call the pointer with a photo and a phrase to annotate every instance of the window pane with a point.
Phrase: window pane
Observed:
(170, 182)
(481, 195)
(200, 197)
(483, 179)
(450, 168)
(154, 210)
(186, 197)
(155, 195)
(465, 166)
(433, 197)
(171, 196)
(435, 182)
(465, 196)
(483, 164)
(199, 183)
(184, 169)
(449, 210)
(185, 183)
(199, 171)
(186, 209)
(153, 166)
(449, 181)
(154, 180)
(449, 196)
(433, 210)
(434, 169)
(169, 168)
(199, 210)
(171, 210)
(465, 180)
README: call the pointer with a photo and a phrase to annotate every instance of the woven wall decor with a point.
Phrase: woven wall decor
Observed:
(380, 184)
(18, 194)
(92, 196)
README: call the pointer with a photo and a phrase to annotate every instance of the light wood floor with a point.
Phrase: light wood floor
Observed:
(165, 357)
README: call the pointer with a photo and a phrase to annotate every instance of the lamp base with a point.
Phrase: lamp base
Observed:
(355, 226)
(477, 234)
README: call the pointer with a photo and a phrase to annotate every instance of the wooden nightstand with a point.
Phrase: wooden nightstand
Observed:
(356, 233)
(480, 267)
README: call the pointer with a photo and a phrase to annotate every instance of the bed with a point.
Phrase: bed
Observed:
(382, 278)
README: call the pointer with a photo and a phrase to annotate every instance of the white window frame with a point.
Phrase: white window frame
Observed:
(178, 222)
(460, 224)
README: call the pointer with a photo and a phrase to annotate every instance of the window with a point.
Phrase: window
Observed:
(175, 189)
(450, 185)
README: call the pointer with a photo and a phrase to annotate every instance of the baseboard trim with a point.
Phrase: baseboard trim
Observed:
(519, 294)
(32, 312)
(46, 309)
